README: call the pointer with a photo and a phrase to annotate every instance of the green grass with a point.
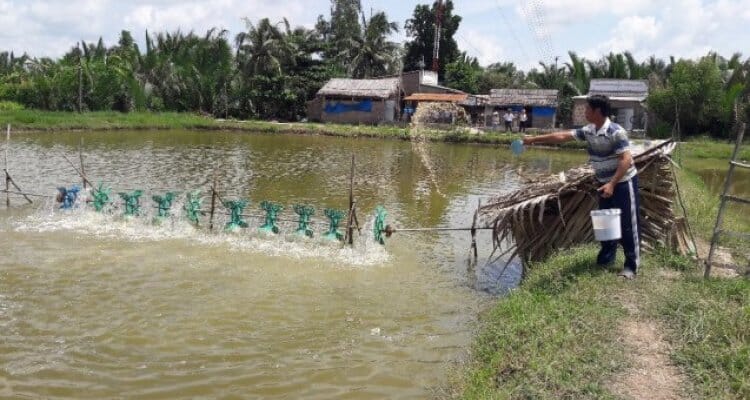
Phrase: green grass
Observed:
(709, 148)
(553, 338)
(703, 207)
(35, 120)
(709, 327)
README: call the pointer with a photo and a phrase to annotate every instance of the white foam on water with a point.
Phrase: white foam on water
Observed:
(49, 219)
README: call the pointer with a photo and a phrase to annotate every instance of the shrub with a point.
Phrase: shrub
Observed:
(10, 106)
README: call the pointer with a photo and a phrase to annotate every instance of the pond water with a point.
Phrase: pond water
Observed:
(95, 306)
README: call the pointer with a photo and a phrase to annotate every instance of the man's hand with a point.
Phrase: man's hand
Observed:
(607, 190)
(527, 140)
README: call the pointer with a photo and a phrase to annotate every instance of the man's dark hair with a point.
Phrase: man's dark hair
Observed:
(600, 102)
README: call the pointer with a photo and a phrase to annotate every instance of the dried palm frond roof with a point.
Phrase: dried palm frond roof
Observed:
(553, 213)
(375, 88)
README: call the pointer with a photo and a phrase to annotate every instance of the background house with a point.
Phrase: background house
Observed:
(627, 98)
(348, 101)
(540, 105)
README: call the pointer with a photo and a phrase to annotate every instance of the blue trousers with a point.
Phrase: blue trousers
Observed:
(626, 198)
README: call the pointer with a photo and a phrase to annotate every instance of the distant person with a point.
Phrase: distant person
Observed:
(609, 151)
(495, 120)
(522, 121)
(508, 117)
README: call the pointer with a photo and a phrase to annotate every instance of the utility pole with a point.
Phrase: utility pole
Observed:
(439, 15)
(80, 79)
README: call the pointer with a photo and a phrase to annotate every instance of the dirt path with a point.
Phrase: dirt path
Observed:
(651, 374)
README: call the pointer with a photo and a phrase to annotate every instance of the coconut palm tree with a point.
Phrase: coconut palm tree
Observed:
(261, 50)
(579, 77)
(372, 54)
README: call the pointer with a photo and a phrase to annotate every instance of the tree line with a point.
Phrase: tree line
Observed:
(698, 95)
(271, 69)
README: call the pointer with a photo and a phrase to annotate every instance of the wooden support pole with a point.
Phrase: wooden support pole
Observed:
(213, 204)
(7, 177)
(349, 226)
(7, 189)
(474, 256)
(85, 179)
(80, 156)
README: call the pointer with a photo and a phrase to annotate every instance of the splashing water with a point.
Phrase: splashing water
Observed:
(431, 113)
(47, 218)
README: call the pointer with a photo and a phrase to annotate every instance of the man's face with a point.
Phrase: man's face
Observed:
(590, 114)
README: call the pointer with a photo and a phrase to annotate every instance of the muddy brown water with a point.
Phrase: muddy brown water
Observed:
(94, 306)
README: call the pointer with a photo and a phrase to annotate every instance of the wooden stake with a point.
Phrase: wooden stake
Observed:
(350, 228)
(7, 189)
(473, 249)
(213, 204)
(80, 156)
(7, 177)
(85, 179)
(12, 182)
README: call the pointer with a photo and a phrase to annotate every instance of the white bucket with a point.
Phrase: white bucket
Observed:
(606, 224)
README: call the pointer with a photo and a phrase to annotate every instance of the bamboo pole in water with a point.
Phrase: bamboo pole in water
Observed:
(85, 179)
(7, 177)
(349, 227)
(213, 204)
(80, 156)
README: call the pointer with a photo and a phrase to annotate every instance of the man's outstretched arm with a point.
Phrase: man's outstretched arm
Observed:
(550, 138)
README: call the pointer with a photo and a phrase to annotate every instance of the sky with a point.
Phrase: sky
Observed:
(524, 32)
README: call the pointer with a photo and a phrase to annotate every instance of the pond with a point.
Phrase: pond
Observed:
(96, 306)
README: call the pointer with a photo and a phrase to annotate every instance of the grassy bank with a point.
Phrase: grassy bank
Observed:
(558, 335)
(701, 148)
(33, 120)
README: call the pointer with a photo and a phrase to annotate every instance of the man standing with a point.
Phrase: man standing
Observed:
(609, 151)
(508, 117)
(495, 120)
(522, 119)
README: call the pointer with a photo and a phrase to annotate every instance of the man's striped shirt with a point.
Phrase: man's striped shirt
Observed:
(605, 147)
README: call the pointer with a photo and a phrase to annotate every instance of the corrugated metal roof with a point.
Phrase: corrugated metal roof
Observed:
(619, 88)
(526, 97)
(375, 88)
(445, 97)
(476, 100)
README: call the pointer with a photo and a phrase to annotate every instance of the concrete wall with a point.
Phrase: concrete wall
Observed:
(315, 109)
(376, 116)
(410, 82)
(543, 122)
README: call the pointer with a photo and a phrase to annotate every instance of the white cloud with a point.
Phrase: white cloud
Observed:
(490, 30)
(630, 33)
(486, 49)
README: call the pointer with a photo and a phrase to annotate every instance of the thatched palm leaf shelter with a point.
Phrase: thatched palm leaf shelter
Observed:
(553, 214)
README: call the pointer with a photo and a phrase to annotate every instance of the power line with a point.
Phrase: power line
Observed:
(520, 44)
